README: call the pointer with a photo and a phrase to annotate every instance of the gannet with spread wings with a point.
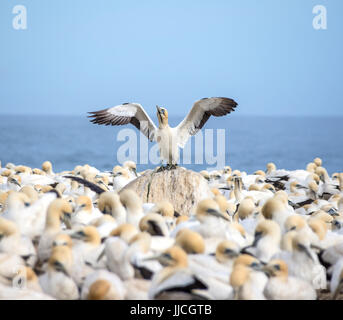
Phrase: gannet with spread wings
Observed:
(169, 139)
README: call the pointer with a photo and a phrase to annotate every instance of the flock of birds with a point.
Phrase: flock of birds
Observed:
(78, 234)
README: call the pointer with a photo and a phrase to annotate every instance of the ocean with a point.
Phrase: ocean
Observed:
(249, 143)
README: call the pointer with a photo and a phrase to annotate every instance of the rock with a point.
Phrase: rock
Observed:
(183, 188)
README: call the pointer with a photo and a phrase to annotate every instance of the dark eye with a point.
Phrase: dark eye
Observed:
(167, 255)
(27, 204)
(83, 205)
(254, 264)
(276, 267)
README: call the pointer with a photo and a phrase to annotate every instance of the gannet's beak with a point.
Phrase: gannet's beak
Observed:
(158, 110)
(217, 214)
(306, 251)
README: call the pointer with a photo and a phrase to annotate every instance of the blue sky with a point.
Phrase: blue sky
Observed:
(82, 55)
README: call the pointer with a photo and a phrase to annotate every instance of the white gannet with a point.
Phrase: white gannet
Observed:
(134, 206)
(281, 286)
(175, 281)
(247, 279)
(169, 139)
(84, 212)
(57, 281)
(109, 203)
(103, 285)
(266, 240)
(57, 211)
(11, 241)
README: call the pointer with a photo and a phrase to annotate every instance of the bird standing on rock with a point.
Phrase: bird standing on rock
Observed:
(169, 139)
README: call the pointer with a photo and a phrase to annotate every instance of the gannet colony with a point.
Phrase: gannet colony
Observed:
(84, 234)
(267, 235)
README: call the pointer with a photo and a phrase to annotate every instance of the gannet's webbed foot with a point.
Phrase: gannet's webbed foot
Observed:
(171, 166)
(161, 168)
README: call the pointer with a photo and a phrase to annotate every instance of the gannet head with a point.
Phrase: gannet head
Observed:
(162, 116)
(7, 228)
(301, 243)
(335, 176)
(58, 210)
(61, 260)
(141, 239)
(173, 257)
(154, 224)
(104, 219)
(282, 196)
(243, 265)
(294, 186)
(318, 162)
(294, 222)
(6, 173)
(313, 186)
(207, 208)
(84, 203)
(164, 208)
(224, 205)
(14, 180)
(287, 239)
(246, 208)
(322, 173)
(311, 167)
(260, 173)
(88, 234)
(205, 174)
(18, 200)
(130, 199)
(47, 167)
(190, 241)
(318, 227)
(181, 219)
(125, 231)
(276, 268)
(22, 169)
(254, 187)
(226, 250)
(131, 166)
(121, 172)
(38, 172)
(324, 216)
(270, 167)
(271, 207)
(108, 201)
(267, 228)
(227, 170)
(237, 226)
(30, 192)
(62, 239)
(102, 290)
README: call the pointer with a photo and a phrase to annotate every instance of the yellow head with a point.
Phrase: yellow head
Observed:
(162, 116)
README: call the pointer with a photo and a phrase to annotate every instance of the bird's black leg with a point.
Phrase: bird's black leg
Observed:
(171, 166)
(161, 168)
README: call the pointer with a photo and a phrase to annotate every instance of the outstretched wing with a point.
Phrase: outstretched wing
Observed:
(124, 114)
(200, 113)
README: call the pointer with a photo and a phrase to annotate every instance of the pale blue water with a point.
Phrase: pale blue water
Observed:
(251, 142)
